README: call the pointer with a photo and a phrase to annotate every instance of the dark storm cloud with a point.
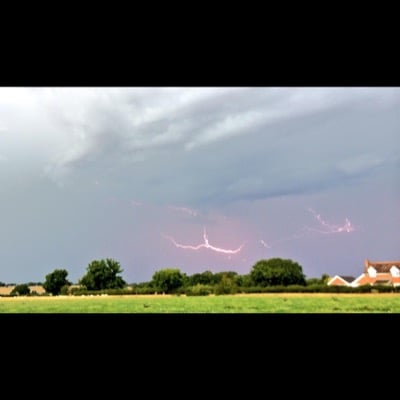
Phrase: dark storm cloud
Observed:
(260, 141)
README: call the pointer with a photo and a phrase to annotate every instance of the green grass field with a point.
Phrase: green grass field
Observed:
(256, 303)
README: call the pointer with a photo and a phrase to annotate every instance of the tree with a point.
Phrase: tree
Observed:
(277, 271)
(226, 285)
(103, 274)
(318, 281)
(204, 278)
(243, 280)
(325, 278)
(228, 274)
(168, 279)
(20, 290)
(55, 281)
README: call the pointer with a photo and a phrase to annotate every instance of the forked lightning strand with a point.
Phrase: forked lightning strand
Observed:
(347, 227)
(265, 244)
(328, 229)
(205, 245)
(185, 210)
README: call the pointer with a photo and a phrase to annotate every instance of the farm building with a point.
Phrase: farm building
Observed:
(375, 273)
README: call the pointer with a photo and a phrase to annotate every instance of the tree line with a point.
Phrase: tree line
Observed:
(104, 276)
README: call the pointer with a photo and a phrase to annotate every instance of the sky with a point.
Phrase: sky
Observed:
(197, 178)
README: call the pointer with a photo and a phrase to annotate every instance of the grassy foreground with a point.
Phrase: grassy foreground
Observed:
(249, 303)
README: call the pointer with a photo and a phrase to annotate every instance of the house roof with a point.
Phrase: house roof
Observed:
(343, 278)
(381, 266)
(347, 278)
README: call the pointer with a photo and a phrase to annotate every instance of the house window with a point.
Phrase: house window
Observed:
(395, 271)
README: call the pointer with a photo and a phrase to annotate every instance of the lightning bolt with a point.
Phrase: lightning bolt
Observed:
(265, 244)
(330, 228)
(205, 245)
(185, 210)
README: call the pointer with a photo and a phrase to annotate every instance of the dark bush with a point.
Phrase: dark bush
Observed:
(227, 285)
(199, 290)
(21, 290)
(382, 289)
(363, 289)
(252, 289)
(317, 288)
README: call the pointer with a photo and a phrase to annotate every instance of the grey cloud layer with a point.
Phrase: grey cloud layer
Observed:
(205, 144)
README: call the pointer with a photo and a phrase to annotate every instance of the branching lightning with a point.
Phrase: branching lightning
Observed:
(330, 228)
(185, 210)
(265, 244)
(205, 245)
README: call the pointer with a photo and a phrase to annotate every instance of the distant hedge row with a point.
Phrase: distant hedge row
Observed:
(323, 289)
(205, 290)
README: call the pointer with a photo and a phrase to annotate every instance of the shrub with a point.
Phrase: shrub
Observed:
(20, 290)
(199, 290)
(317, 288)
(65, 289)
(227, 285)
(382, 288)
(363, 288)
